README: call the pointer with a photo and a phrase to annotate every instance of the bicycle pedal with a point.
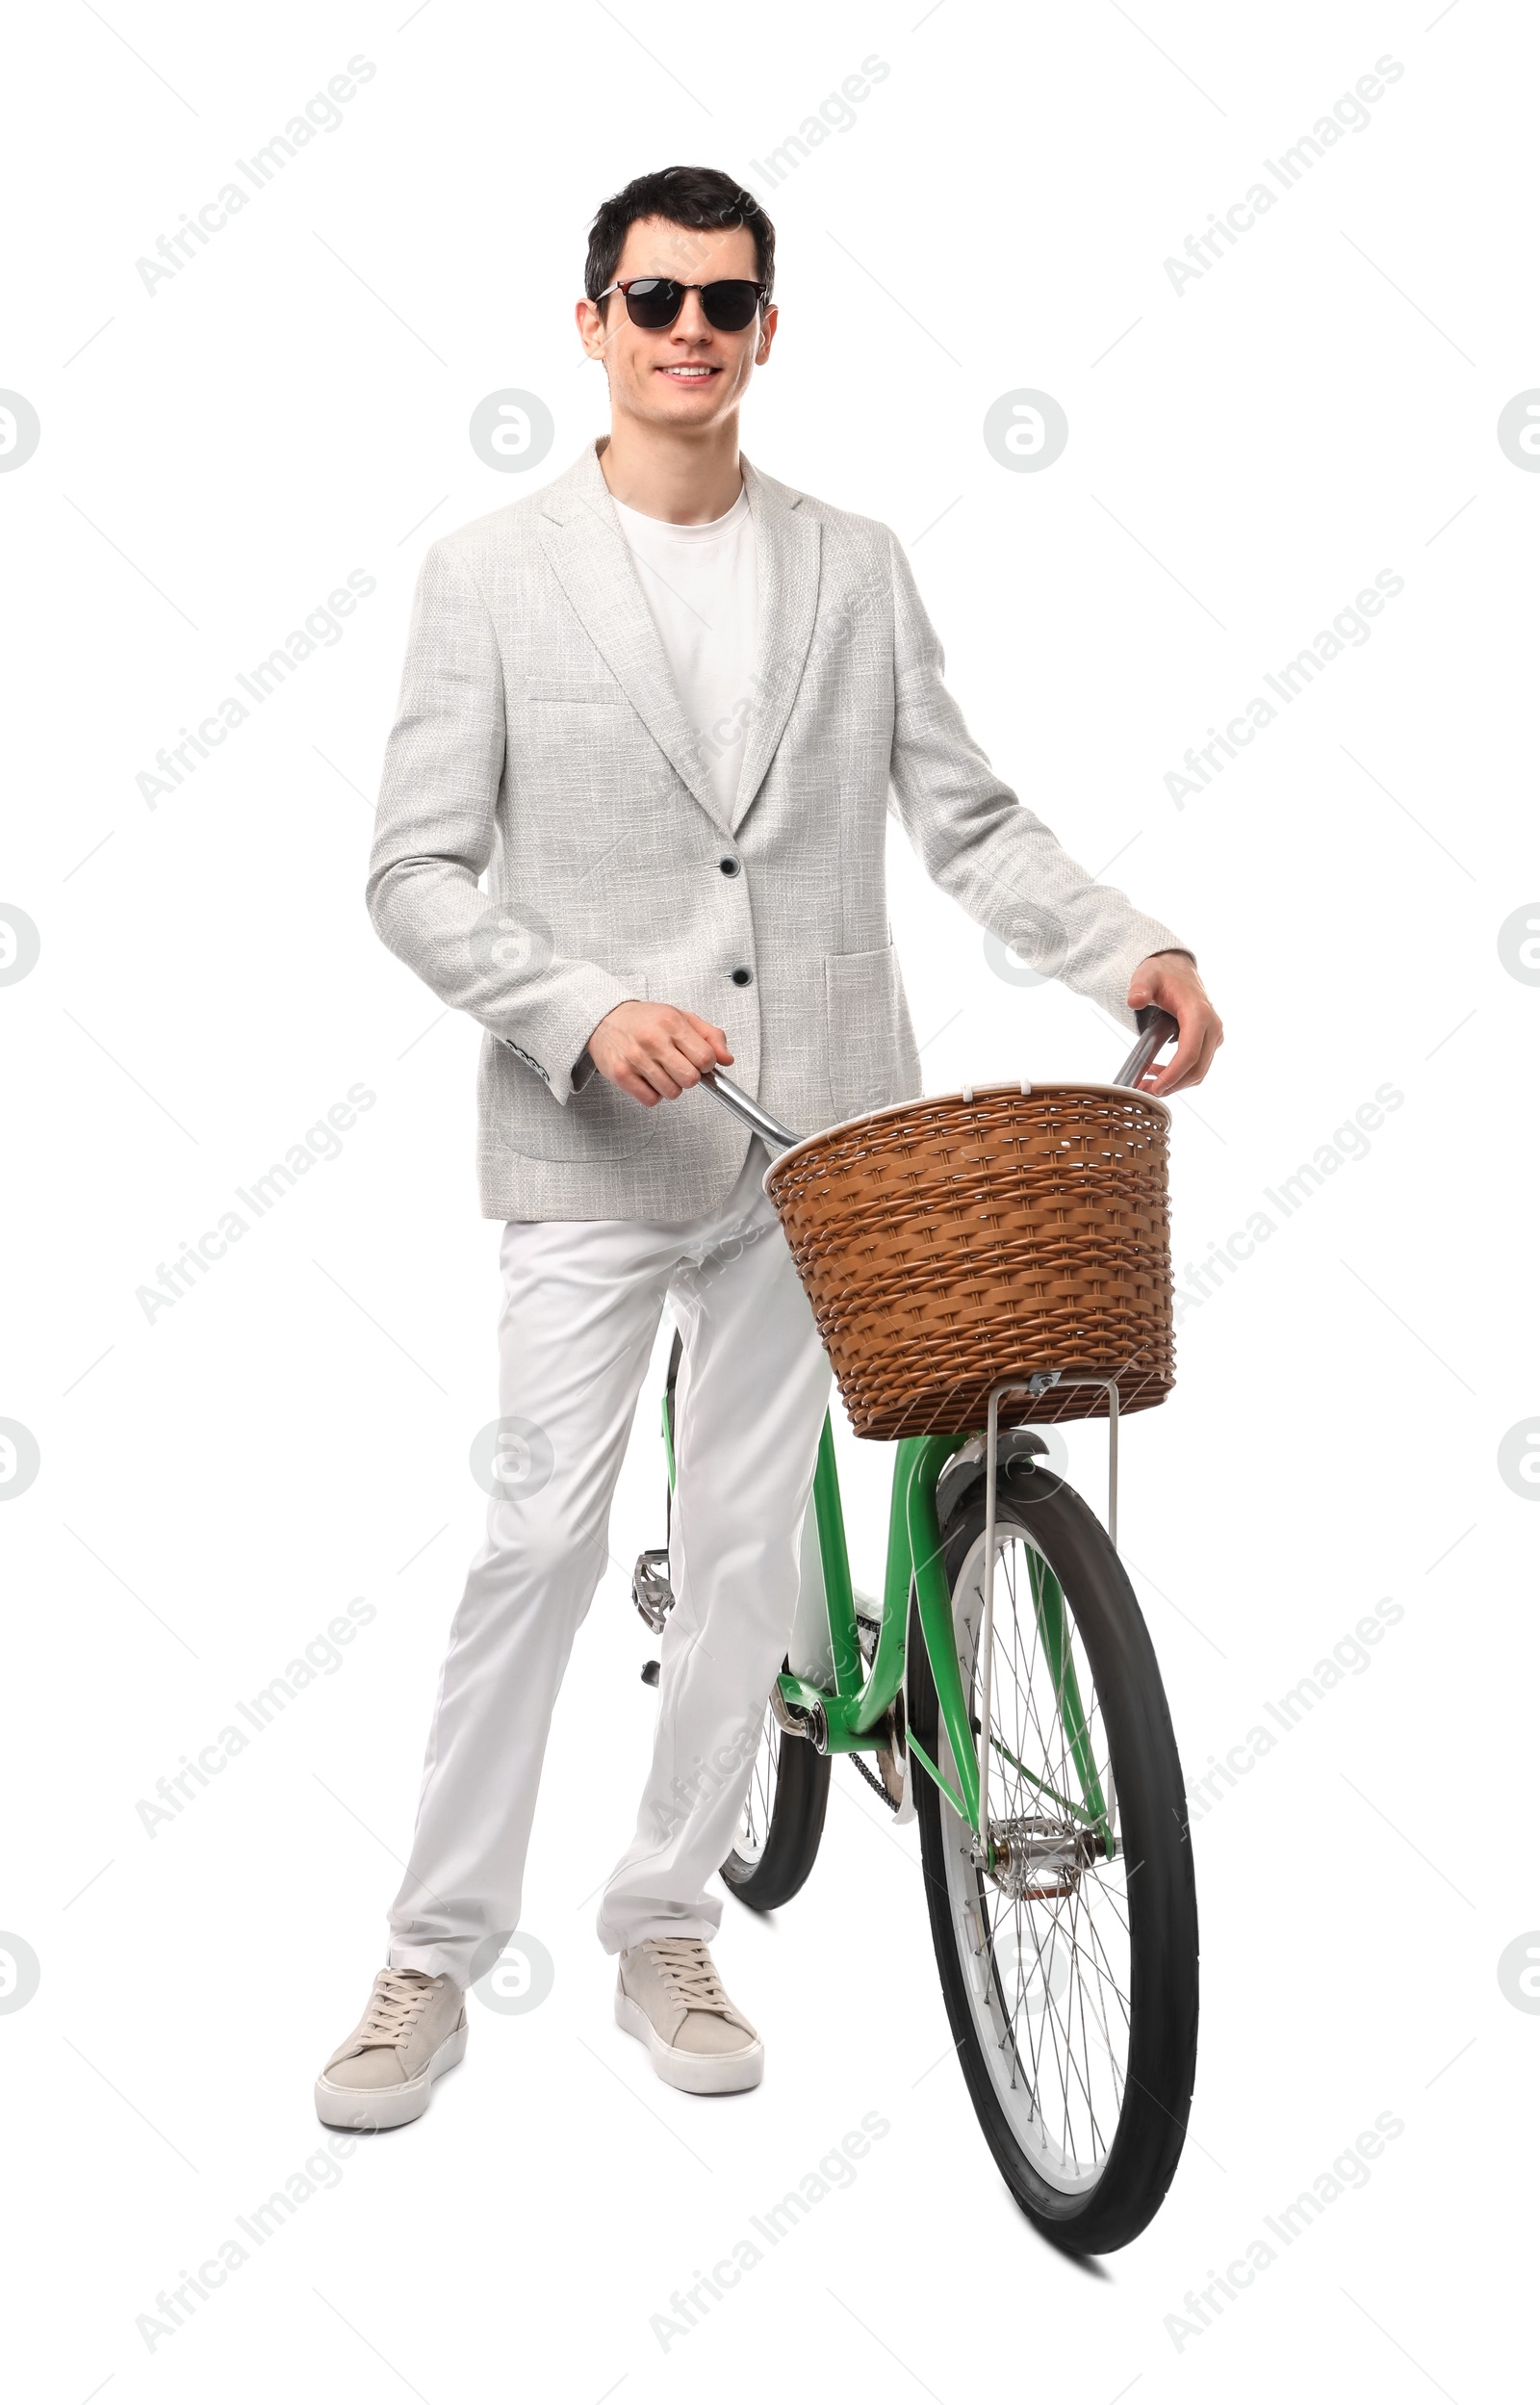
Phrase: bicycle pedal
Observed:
(649, 1674)
(652, 1592)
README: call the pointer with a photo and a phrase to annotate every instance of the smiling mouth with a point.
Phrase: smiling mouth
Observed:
(700, 374)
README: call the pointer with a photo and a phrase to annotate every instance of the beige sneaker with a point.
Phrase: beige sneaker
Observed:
(668, 1994)
(413, 2027)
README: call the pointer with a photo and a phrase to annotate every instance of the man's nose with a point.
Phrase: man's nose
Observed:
(692, 320)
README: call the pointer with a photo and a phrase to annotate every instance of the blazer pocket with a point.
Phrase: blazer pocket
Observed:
(868, 1030)
(599, 691)
(596, 1122)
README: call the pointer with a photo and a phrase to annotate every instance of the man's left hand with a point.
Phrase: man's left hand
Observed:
(1171, 982)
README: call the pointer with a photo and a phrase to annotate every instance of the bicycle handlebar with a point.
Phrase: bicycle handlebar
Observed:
(746, 1107)
(1156, 1028)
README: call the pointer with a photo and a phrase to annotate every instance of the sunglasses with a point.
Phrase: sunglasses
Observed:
(655, 300)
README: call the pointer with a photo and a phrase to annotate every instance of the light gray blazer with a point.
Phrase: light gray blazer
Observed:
(540, 738)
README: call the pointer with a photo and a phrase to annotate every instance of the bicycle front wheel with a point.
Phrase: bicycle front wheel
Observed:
(1069, 1969)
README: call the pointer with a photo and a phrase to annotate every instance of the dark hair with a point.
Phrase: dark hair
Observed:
(702, 197)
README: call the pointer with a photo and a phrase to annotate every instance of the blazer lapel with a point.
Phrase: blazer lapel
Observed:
(592, 559)
(786, 543)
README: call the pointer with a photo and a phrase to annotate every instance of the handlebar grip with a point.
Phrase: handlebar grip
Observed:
(1156, 1029)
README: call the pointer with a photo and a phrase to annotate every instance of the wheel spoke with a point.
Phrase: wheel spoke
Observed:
(758, 1804)
(1055, 2013)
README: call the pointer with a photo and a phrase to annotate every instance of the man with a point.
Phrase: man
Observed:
(666, 701)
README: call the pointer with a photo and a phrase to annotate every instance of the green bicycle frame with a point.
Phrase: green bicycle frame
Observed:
(854, 1716)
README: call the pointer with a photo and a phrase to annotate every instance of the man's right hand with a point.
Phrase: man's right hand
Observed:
(652, 1051)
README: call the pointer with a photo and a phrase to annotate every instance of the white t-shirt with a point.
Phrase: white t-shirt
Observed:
(701, 588)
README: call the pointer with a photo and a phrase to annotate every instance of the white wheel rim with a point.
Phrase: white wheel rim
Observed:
(1048, 1979)
(754, 1820)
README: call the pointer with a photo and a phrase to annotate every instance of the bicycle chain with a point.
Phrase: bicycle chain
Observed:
(872, 1780)
(870, 1630)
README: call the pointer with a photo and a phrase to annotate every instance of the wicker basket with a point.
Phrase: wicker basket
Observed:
(947, 1242)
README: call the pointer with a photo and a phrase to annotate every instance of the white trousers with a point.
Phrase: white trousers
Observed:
(583, 1300)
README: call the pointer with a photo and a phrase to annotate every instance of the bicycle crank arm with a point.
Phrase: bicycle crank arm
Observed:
(795, 1719)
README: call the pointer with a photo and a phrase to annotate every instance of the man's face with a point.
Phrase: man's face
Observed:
(688, 373)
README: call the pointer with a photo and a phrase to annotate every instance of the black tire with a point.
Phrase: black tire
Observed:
(789, 1791)
(789, 1795)
(1087, 2202)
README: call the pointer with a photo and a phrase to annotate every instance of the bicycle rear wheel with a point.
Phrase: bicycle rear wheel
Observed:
(776, 1842)
(1070, 1970)
(782, 1822)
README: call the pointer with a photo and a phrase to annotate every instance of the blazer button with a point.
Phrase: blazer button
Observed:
(743, 976)
(730, 867)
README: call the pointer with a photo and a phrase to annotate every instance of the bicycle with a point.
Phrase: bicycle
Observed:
(1056, 1858)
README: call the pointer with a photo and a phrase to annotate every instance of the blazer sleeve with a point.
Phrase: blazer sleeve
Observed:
(434, 832)
(987, 849)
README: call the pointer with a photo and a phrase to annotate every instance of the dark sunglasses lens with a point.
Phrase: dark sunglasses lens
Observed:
(729, 303)
(653, 301)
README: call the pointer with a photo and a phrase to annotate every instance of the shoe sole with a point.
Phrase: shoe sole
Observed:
(387, 2107)
(698, 2075)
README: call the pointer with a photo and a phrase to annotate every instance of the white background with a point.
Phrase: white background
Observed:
(1243, 457)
